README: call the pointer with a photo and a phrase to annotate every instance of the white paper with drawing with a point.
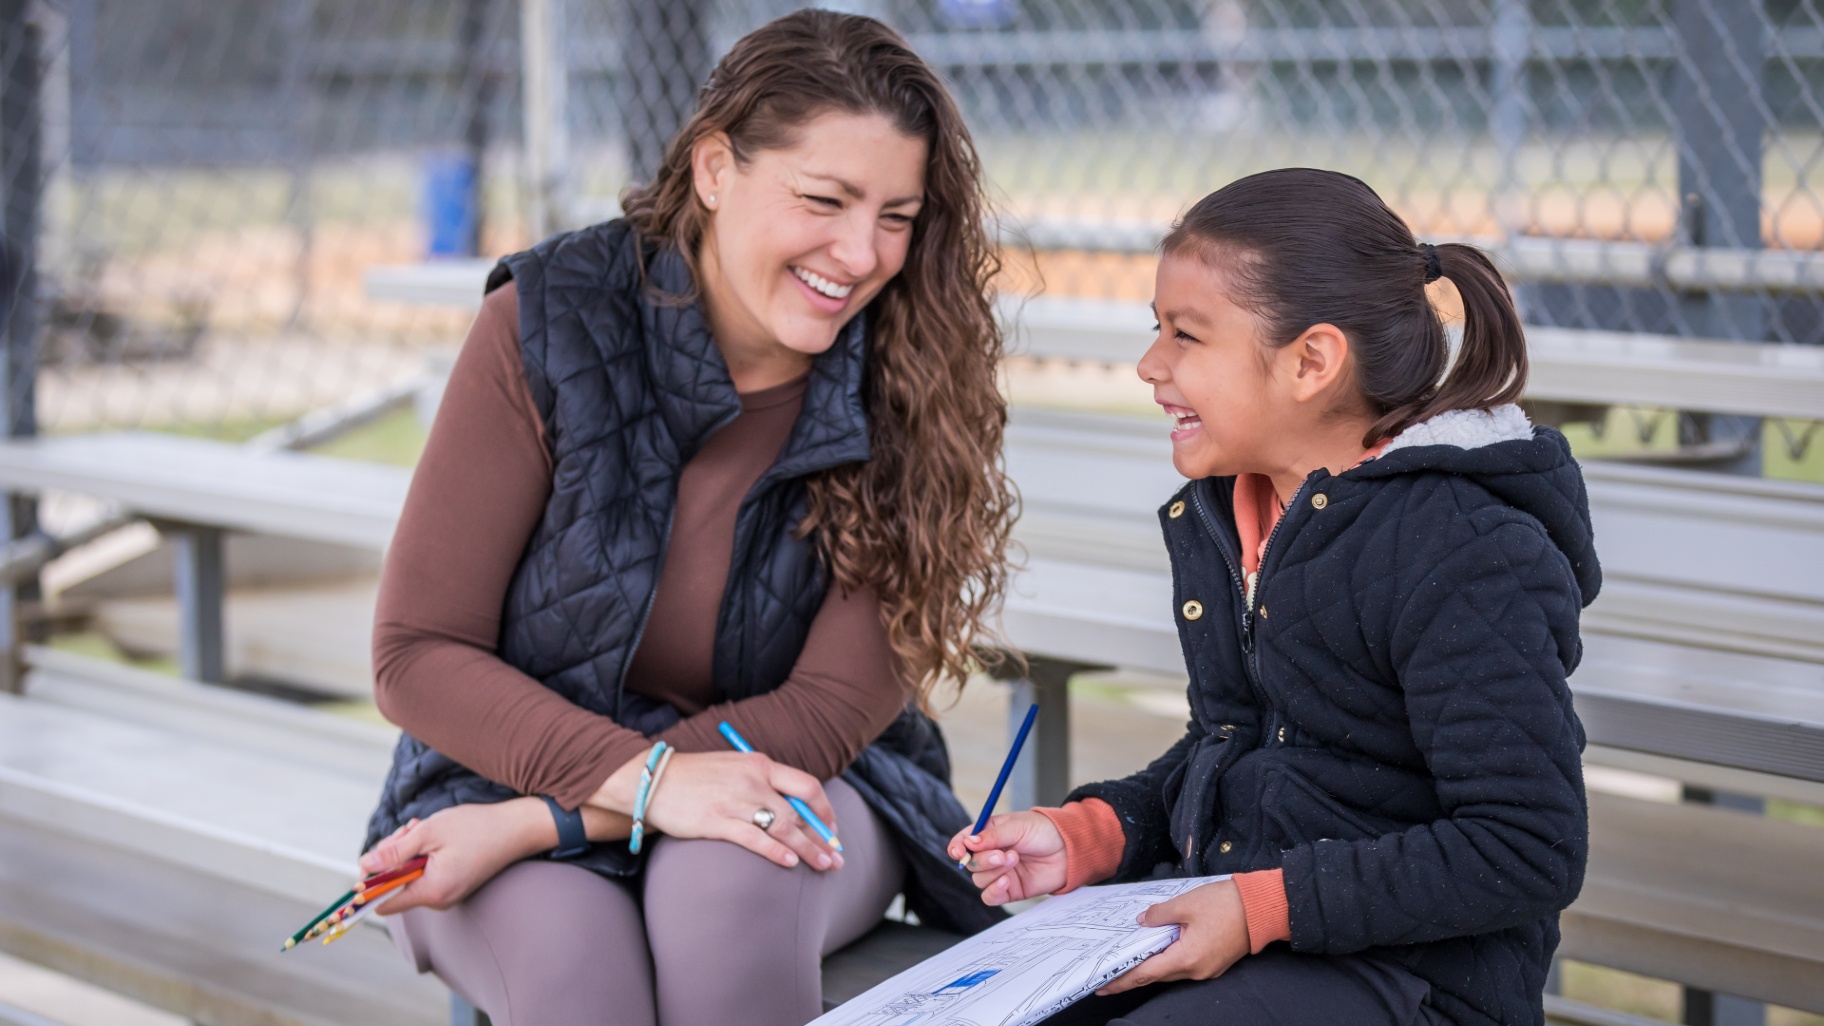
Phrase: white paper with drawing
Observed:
(1022, 970)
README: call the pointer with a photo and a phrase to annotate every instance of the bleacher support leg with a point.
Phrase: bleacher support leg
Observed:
(1042, 774)
(1704, 1007)
(201, 642)
(21, 200)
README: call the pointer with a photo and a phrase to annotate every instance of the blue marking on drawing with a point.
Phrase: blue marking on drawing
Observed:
(965, 982)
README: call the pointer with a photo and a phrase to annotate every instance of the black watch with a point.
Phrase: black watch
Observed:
(571, 840)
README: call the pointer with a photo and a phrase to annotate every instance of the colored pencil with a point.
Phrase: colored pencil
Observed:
(342, 928)
(1019, 741)
(406, 867)
(804, 811)
(296, 938)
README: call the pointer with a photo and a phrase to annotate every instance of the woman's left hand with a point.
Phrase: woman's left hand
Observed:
(467, 846)
(1212, 936)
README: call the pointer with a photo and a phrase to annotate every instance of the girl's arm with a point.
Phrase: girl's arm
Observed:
(1138, 802)
(1483, 673)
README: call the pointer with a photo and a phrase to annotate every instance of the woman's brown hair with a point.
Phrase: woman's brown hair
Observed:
(925, 521)
(1303, 247)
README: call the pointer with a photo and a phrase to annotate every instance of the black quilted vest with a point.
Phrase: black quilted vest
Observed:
(630, 386)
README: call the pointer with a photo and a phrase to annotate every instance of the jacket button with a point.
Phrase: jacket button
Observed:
(1263, 612)
(1319, 501)
(1224, 847)
(1282, 735)
(1193, 609)
(1228, 726)
(1176, 510)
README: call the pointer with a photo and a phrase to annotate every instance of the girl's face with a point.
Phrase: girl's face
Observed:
(1210, 371)
(802, 238)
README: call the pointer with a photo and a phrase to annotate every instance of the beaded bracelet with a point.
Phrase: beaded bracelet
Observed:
(642, 795)
(659, 774)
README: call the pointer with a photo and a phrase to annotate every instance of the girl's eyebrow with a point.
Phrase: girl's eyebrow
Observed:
(1190, 316)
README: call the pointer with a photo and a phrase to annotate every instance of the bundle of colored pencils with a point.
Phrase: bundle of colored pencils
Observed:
(368, 895)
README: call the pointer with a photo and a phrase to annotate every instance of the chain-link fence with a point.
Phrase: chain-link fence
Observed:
(202, 182)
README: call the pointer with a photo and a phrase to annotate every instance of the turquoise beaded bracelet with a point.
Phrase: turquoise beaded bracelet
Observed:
(641, 797)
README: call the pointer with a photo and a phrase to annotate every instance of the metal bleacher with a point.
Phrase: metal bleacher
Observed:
(1704, 663)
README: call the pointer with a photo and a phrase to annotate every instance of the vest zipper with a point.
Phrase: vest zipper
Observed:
(652, 596)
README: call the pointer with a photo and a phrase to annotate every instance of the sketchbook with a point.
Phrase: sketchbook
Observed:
(1025, 968)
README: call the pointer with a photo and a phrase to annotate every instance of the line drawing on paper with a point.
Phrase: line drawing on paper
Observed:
(1026, 968)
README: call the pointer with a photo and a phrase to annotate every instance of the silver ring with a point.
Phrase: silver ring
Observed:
(763, 818)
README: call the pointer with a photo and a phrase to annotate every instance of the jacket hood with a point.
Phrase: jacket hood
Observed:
(1525, 465)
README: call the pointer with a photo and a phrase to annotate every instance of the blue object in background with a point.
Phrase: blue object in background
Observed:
(979, 13)
(449, 204)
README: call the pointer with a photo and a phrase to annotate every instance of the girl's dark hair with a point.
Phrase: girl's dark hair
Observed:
(1302, 247)
(925, 521)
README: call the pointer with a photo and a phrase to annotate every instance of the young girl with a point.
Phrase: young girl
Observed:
(1378, 568)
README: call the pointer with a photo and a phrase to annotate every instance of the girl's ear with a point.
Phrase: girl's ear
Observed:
(712, 161)
(1318, 357)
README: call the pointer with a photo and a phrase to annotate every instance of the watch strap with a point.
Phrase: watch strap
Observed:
(571, 838)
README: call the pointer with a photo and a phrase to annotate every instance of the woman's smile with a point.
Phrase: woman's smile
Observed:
(825, 295)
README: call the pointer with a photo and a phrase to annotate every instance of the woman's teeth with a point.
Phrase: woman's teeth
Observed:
(822, 284)
(1187, 419)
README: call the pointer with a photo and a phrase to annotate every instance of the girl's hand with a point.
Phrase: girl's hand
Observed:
(467, 845)
(715, 795)
(1212, 936)
(1018, 855)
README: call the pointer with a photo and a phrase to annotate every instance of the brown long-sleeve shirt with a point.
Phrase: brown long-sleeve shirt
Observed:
(480, 490)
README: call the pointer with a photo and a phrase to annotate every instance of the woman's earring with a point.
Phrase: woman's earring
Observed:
(712, 201)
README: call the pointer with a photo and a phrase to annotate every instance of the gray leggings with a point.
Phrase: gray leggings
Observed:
(711, 934)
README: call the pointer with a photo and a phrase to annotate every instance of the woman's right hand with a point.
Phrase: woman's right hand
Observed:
(716, 794)
(1018, 855)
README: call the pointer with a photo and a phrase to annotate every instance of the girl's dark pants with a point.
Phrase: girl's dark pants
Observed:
(1273, 988)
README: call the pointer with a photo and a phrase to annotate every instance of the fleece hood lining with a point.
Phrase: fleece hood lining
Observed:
(1466, 429)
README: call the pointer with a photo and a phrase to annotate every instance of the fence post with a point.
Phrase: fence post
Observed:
(545, 95)
(477, 92)
(666, 54)
(1719, 116)
(21, 200)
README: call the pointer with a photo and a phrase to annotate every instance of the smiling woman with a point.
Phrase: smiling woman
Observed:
(733, 459)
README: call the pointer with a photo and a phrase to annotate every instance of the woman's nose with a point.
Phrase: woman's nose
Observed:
(854, 247)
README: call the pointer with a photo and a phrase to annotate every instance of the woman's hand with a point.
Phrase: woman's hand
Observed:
(1212, 936)
(716, 794)
(467, 845)
(1019, 855)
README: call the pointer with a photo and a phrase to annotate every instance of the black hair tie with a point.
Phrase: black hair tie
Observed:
(1433, 268)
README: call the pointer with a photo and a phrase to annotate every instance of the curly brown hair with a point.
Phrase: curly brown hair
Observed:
(925, 521)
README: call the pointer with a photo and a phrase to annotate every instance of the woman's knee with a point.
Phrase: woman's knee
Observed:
(541, 943)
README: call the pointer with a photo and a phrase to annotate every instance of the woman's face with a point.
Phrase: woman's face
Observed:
(802, 238)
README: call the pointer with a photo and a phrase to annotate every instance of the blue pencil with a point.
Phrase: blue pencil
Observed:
(798, 805)
(1019, 741)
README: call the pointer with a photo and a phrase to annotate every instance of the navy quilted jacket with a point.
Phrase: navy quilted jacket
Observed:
(1389, 723)
(630, 385)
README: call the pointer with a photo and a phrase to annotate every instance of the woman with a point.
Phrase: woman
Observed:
(732, 458)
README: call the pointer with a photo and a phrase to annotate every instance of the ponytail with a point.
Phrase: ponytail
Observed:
(1305, 247)
(1490, 369)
